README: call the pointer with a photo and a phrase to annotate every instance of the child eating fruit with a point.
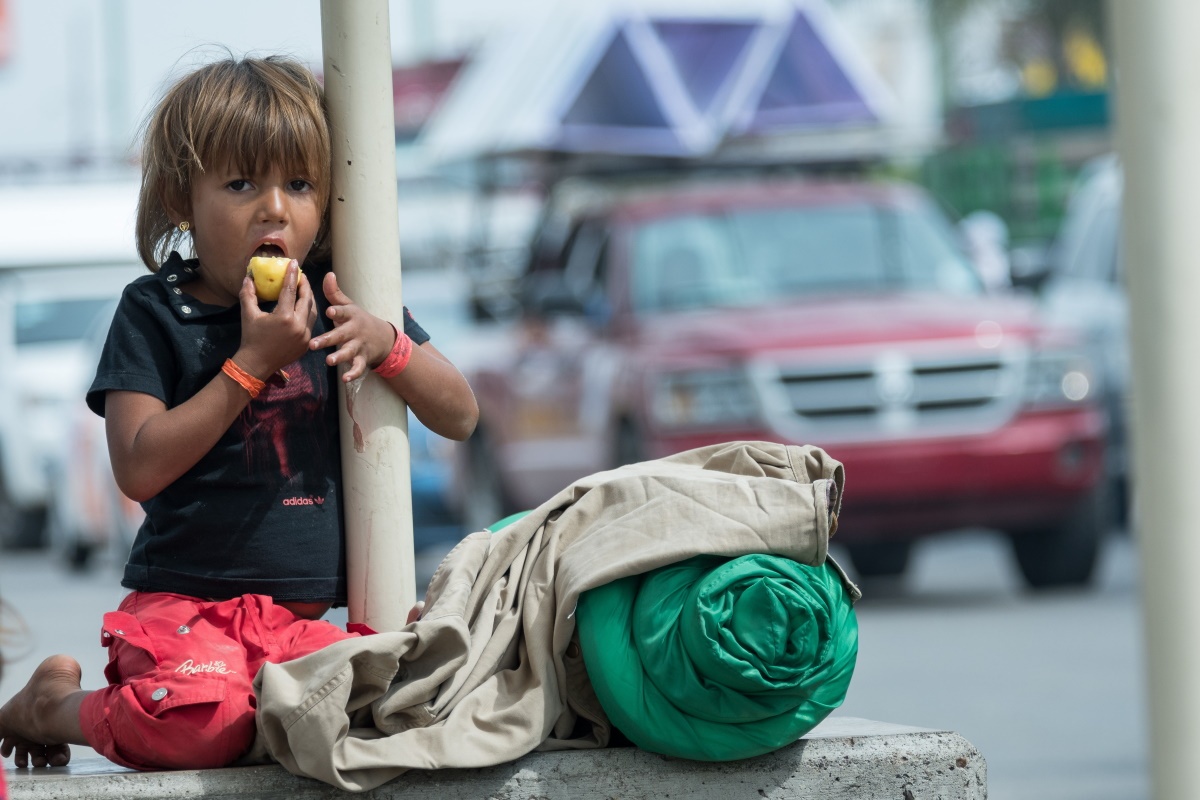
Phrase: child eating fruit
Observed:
(221, 415)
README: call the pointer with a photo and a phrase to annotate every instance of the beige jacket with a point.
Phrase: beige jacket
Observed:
(491, 671)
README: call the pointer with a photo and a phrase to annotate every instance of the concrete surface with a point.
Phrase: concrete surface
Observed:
(843, 758)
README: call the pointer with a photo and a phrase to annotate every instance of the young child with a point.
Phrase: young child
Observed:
(221, 415)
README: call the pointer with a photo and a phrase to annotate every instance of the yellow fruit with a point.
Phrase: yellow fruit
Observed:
(268, 275)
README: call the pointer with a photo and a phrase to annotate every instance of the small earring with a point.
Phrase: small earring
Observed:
(185, 226)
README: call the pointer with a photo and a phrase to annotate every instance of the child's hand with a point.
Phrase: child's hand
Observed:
(272, 341)
(362, 339)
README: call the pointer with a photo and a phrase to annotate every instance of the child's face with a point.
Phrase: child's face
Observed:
(236, 216)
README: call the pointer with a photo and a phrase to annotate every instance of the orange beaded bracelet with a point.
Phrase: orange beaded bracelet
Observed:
(244, 379)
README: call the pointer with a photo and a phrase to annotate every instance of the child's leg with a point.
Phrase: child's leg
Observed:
(42, 719)
(179, 693)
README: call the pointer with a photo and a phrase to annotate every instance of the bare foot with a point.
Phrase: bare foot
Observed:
(40, 720)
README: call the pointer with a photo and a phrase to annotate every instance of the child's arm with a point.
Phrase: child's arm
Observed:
(151, 446)
(433, 388)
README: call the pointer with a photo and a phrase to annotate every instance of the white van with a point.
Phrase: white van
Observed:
(66, 252)
(1085, 288)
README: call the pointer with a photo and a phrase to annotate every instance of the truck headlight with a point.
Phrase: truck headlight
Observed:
(1059, 379)
(703, 398)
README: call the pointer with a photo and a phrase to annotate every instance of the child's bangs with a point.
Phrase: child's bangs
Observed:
(262, 124)
(255, 141)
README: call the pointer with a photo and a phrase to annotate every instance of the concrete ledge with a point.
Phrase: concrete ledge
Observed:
(844, 758)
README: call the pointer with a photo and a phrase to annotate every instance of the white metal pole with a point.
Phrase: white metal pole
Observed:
(377, 494)
(1158, 136)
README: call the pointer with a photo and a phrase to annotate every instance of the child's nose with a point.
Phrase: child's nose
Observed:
(274, 204)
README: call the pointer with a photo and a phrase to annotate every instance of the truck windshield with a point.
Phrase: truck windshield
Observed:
(759, 256)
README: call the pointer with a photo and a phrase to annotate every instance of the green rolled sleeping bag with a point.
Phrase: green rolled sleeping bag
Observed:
(717, 659)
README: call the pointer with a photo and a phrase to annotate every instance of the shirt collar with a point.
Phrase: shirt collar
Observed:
(175, 273)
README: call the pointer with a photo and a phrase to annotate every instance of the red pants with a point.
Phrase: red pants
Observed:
(181, 673)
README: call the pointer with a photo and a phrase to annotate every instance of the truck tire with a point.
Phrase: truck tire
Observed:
(483, 501)
(629, 447)
(75, 551)
(79, 556)
(21, 529)
(27, 530)
(1064, 554)
(9, 524)
(1122, 502)
(880, 559)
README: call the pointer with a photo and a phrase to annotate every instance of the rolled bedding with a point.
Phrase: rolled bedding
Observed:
(717, 659)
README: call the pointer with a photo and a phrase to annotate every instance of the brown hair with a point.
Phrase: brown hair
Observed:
(251, 112)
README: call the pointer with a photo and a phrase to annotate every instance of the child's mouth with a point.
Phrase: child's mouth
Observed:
(269, 251)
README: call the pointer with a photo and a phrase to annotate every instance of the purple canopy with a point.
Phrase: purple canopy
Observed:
(596, 82)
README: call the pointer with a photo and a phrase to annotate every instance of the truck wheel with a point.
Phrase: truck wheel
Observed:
(1122, 500)
(79, 556)
(483, 502)
(22, 529)
(1064, 554)
(629, 447)
(880, 559)
(76, 552)
(9, 525)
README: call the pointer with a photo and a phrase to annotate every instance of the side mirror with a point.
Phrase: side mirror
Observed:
(1030, 265)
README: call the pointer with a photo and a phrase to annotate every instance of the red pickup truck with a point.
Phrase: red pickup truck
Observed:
(664, 314)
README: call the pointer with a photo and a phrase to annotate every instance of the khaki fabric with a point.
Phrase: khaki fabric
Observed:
(491, 671)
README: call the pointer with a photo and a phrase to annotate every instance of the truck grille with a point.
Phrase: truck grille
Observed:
(893, 394)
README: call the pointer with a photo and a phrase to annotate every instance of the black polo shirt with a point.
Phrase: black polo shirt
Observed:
(260, 513)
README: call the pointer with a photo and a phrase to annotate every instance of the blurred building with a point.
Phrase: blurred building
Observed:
(5, 32)
(897, 39)
(418, 90)
(1026, 94)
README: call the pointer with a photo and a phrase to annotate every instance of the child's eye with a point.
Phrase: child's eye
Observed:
(239, 185)
(299, 185)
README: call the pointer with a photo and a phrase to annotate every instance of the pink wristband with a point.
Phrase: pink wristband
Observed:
(397, 359)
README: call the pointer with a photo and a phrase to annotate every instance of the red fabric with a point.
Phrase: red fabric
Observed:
(3, 787)
(181, 674)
